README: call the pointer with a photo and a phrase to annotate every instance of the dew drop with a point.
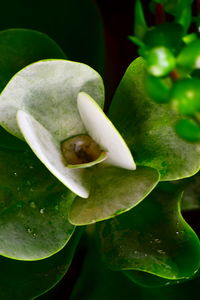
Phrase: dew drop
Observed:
(15, 173)
(167, 283)
(31, 167)
(32, 204)
(145, 254)
(56, 207)
(42, 210)
(161, 251)
(158, 241)
(34, 235)
(177, 232)
(135, 252)
(29, 230)
(20, 204)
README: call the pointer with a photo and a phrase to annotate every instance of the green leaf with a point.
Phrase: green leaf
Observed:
(140, 26)
(157, 89)
(148, 280)
(191, 37)
(75, 25)
(136, 41)
(185, 96)
(49, 85)
(168, 35)
(154, 238)
(8, 141)
(184, 15)
(188, 129)
(33, 208)
(21, 47)
(97, 282)
(191, 188)
(148, 128)
(174, 6)
(27, 280)
(189, 57)
(114, 191)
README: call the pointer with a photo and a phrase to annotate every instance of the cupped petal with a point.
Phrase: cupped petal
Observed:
(48, 90)
(101, 129)
(47, 149)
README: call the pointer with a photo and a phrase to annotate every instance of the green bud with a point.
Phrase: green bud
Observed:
(167, 34)
(135, 40)
(189, 57)
(184, 16)
(188, 129)
(157, 89)
(190, 38)
(140, 26)
(160, 61)
(185, 96)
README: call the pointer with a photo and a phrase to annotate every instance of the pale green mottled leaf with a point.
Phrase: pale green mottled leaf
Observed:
(33, 208)
(48, 90)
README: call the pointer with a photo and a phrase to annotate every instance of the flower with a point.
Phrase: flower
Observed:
(51, 101)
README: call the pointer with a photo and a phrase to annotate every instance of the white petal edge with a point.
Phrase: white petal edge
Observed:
(47, 149)
(101, 129)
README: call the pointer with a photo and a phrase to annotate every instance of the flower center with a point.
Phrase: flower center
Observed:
(80, 149)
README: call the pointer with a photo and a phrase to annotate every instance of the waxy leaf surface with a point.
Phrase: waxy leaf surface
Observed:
(113, 191)
(19, 48)
(148, 128)
(153, 237)
(97, 282)
(26, 280)
(33, 208)
(48, 90)
(148, 280)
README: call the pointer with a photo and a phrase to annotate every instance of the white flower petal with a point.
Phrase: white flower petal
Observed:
(100, 128)
(47, 149)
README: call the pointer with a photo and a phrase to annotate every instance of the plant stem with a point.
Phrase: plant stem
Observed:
(175, 75)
